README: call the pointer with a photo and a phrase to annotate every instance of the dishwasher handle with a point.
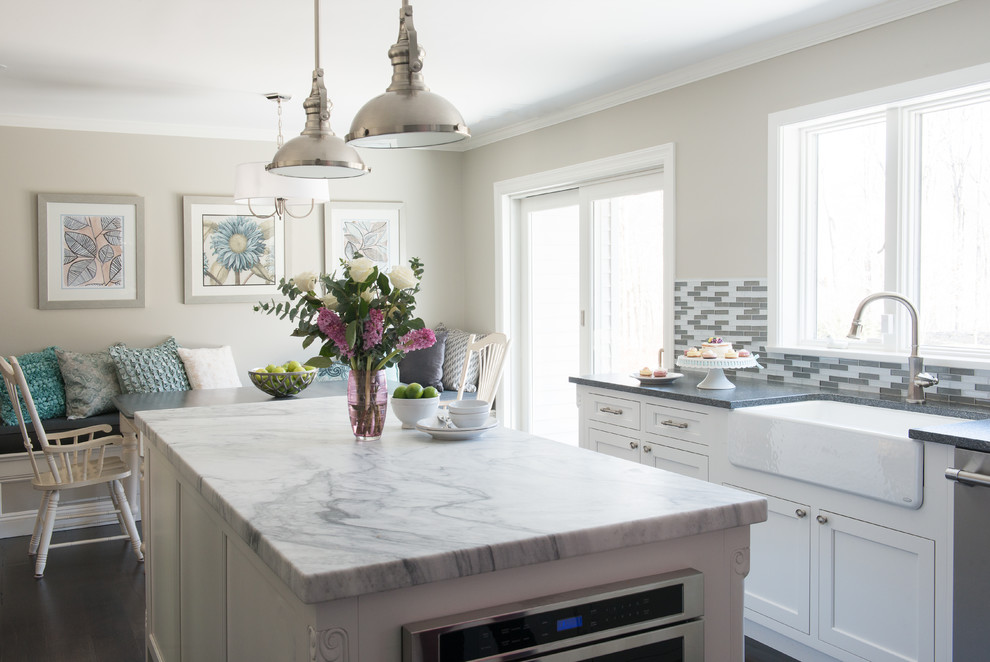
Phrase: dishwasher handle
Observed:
(967, 477)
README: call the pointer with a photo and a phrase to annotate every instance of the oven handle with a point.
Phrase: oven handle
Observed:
(967, 477)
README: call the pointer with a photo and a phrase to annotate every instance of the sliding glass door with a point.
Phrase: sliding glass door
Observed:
(590, 293)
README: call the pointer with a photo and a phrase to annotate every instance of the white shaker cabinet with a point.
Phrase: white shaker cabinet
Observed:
(675, 437)
(860, 590)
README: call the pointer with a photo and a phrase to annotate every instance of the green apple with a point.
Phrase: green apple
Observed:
(277, 368)
(293, 366)
(399, 392)
(414, 391)
(309, 367)
(429, 392)
(270, 367)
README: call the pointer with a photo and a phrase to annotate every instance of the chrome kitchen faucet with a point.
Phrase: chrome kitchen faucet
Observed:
(919, 379)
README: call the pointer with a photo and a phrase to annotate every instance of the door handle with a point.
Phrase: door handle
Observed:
(967, 477)
(801, 512)
(633, 445)
(821, 519)
(647, 449)
(672, 424)
(609, 410)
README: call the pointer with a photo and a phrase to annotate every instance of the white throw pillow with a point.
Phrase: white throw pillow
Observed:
(210, 367)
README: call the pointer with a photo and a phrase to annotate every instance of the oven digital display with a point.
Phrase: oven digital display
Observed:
(568, 623)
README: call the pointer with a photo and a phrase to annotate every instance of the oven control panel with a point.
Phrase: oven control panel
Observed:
(557, 621)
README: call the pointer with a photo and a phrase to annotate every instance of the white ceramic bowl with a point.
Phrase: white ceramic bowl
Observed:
(469, 406)
(410, 411)
(474, 419)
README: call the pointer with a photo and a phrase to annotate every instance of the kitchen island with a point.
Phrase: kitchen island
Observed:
(272, 535)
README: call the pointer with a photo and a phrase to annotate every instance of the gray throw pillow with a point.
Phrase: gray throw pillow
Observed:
(425, 366)
(150, 370)
(90, 383)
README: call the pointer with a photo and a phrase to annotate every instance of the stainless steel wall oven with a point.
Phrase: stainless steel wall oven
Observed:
(658, 618)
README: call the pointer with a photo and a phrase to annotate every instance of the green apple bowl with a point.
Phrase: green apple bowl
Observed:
(282, 384)
(412, 410)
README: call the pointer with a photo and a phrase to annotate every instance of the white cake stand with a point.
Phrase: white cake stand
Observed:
(716, 378)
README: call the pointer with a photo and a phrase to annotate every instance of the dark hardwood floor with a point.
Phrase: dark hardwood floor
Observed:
(89, 607)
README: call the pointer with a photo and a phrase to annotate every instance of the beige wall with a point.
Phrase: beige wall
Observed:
(162, 170)
(719, 127)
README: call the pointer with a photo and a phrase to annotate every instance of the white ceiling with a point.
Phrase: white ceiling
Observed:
(202, 67)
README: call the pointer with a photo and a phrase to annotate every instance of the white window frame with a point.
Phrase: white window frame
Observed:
(508, 196)
(791, 296)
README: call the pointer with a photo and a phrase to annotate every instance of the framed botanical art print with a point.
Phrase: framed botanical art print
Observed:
(373, 229)
(231, 256)
(90, 251)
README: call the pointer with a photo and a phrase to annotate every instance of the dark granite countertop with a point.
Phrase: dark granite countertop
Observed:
(973, 434)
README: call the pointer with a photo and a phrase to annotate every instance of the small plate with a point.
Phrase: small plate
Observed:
(441, 433)
(657, 381)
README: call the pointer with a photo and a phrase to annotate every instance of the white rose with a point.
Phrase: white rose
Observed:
(367, 295)
(306, 281)
(360, 269)
(330, 302)
(402, 277)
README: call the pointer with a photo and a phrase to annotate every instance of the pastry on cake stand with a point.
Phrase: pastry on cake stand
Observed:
(716, 378)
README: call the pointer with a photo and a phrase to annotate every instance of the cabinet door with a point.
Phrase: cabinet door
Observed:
(779, 582)
(613, 444)
(685, 463)
(877, 590)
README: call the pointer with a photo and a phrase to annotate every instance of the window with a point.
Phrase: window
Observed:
(894, 196)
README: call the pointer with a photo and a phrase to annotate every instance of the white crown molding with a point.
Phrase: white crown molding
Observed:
(771, 48)
(140, 128)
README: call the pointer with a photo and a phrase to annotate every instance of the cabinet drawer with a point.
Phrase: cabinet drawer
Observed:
(615, 411)
(693, 465)
(616, 445)
(683, 424)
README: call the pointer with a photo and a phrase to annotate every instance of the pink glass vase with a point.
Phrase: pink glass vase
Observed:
(367, 400)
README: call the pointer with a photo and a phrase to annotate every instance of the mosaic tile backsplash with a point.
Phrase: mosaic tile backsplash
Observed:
(737, 311)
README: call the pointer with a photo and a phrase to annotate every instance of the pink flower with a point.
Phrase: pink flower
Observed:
(334, 329)
(373, 328)
(418, 339)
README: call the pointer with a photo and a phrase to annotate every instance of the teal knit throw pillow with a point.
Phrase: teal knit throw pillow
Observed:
(44, 380)
(151, 370)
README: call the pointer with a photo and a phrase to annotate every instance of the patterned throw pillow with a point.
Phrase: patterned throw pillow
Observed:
(210, 367)
(90, 383)
(152, 370)
(455, 349)
(44, 380)
(338, 372)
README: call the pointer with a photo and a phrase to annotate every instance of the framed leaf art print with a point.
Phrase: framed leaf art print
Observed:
(90, 251)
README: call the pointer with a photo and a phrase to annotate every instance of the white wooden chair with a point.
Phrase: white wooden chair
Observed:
(492, 350)
(71, 459)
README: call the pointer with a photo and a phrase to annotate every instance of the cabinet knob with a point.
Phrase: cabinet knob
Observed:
(672, 424)
(647, 449)
(821, 519)
(633, 445)
(801, 512)
(609, 410)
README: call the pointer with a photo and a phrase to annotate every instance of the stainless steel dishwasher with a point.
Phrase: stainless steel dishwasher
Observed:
(971, 539)
(654, 619)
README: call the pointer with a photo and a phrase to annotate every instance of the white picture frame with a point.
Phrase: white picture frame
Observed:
(373, 228)
(90, 251)
(248, 274)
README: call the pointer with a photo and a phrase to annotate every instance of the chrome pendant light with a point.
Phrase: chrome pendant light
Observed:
(254, 186)
(317, 153)
(408, 114)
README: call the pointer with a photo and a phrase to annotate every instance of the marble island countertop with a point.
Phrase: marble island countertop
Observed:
(334, 518)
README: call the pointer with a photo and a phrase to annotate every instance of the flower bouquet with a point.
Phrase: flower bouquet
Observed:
(364, 319)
